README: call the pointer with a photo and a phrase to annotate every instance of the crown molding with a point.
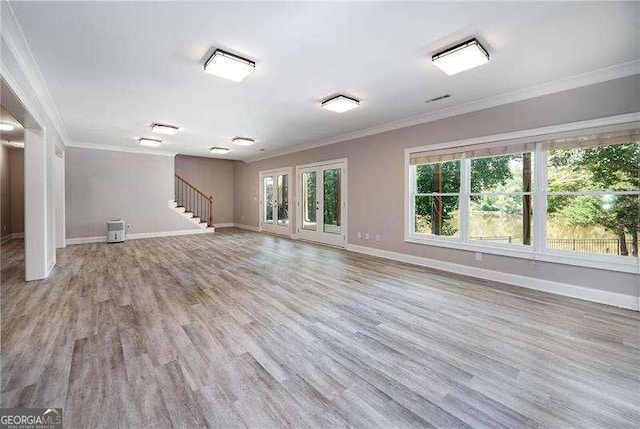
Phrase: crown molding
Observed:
(585, 79)
(16, 41)
(121, 149)
(551, 131)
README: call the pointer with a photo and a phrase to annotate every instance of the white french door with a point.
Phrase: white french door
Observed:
(322, 202)
(275, 195)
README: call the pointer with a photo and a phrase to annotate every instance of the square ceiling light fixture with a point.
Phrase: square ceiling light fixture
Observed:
(242, 141)
(219, 150)
(229, 66)
(459, 58)
(340, 103)
(149, 142)
(164, 129)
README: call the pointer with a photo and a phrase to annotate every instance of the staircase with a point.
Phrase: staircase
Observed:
(192, 203)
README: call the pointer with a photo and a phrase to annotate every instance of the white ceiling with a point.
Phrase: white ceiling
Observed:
(114, 68)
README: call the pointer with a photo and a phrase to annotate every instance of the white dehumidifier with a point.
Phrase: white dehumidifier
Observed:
(115, 231)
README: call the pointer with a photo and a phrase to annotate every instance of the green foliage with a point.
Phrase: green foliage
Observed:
(603, 168)
(283, 197)
(489, 172)
(445, 178)
(268, 188)
(577, 211)
(331, 197)
(310, 202)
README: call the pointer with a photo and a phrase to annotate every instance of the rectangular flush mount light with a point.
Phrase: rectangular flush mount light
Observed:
(229, 66)
(164, 129)
(149, 142)
(459, 58)
(219, 150)
(340, 103)
(243, 141)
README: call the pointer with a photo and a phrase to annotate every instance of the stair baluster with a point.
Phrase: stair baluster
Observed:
(193, 200)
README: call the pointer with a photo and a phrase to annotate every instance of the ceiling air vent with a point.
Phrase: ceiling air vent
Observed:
(442, 97)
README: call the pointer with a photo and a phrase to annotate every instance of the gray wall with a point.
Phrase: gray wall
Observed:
(5, 193)
(11, 190)
(214, 177)
(376, 176)
(103, 185)
(16, 182)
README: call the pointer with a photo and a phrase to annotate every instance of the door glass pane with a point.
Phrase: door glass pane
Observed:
(309, 202)
(283, 199)
(268, 200)
(332, 201)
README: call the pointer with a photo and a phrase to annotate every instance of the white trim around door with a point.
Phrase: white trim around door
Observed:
(274, 208)
(322, 211)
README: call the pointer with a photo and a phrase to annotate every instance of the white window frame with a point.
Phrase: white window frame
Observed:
(461, 195)
(538, 251)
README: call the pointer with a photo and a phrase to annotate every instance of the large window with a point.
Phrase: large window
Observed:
(575, 196)
(501, 198)
(436, 198)
(593, 204)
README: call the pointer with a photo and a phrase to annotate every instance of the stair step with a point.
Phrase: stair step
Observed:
(191, 215)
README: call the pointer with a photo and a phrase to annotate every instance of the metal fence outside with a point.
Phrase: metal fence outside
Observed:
(587, 245)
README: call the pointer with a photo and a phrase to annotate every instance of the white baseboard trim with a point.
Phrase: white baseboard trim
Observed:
(225, 225)
(12, 236)
(594, 295)
(85, 240)
(103, 238)
(247, 227)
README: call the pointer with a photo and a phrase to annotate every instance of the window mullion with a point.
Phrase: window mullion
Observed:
(465, 191)
(412, 196)
(540, 200)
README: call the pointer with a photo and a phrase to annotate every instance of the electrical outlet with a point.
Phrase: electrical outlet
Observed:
(366, 235)
(242, 218)
(377, 237)
(359, 234)
(478, 256)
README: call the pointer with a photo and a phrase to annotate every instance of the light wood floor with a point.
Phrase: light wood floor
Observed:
(238, 329)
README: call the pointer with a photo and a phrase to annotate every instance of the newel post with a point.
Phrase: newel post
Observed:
(211, 211)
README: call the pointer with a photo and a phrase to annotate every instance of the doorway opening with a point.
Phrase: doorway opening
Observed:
(12, 135)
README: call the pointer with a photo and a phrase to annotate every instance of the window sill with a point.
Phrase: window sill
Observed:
(605, 262)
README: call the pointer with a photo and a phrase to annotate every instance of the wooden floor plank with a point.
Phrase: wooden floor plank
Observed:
(245, 330)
